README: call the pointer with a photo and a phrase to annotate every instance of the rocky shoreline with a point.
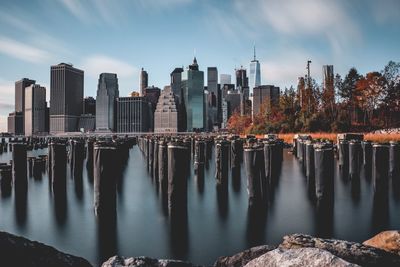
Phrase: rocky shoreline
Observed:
(295, 250)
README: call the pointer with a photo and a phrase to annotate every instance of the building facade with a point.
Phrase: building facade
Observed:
(166, 114)
(107, 92)
(66, 98)
(15, 123)
(133, 114)
(20, 96)
(255, 74)
(225, 79)
(328, 80)
(193, 87)
(89, 105)
(264, 98)
(212, 97)
(144, 82)
(241, 78)
(35, 110)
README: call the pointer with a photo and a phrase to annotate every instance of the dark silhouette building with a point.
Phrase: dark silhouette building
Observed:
(66, 98)
(15, 122)
(264, 98)
(241, 78)
(144, 82)
(133, 114)
(20, 97)
(107, 92)
(89, 105)
(35, 110)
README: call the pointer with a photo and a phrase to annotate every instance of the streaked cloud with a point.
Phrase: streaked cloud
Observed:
(96, 64)
(6, 102)
(23, 51)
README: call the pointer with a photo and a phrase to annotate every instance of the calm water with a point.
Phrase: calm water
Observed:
(215, 225)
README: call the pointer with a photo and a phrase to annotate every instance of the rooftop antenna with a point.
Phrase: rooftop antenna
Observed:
(254, 51)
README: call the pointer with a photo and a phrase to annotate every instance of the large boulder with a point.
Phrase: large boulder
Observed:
(310, 257)
(352, 252)
(387, 240)
(118, 261)
(240, 259)
(19, 251)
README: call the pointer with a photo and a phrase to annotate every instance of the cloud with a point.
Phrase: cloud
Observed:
(6, 102)
(385, 10)
(327, 20)
(96, 64)
(23, 51)
(284, 69)
(112, 12)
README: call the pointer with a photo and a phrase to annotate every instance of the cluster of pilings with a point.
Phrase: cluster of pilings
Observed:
(263, 160)
(317, 163)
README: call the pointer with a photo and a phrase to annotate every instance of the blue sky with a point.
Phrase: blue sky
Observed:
(159, 35)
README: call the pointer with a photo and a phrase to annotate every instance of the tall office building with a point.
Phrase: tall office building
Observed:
(225, 79)
(212, 101)
(133, 114)
(255, 73)
(20, 97)
(193, 96)
(166, 114)
(89, 105)
(66, 98)
(144, 82)
(176, 80)
(241, 78)
(264, 98)
(328, 82)
(35, 110)
(15, 123)
(107, 92)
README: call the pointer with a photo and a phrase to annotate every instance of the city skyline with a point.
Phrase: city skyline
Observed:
(286, 36)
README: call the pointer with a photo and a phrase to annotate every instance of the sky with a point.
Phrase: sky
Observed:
(158, 35)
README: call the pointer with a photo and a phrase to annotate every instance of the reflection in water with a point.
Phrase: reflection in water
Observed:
(199, 176)
(236, 182)
(256, 224)
(380, 212)
(396, 187)
(368, 173)
(355, 189)
(78, 182)
(60, 206)
(21, 199)
(107, 236)
(324, 217)
(179, 235)
(222, 198)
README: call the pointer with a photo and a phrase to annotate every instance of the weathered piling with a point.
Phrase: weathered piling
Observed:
(221, 162)
(19, 165)
(155, 161)
(394, 158)
(354, 158)
(89, 153)
(367, 152)
(163, 168)
(58, 167)
(380, 168)
(30, 166)
(253, 161)
(105, 185)
(6, 180)
(199, 158)
(177, 181)
(236, 155)
(38, 167)
(150, 156)
(323, 156)
(310, 164)
(343, 156)
(270, 159)
(78, 156)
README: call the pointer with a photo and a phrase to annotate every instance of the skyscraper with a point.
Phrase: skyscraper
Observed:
(264, 98)
(107, 92)
(241, 78)
(193, 96)
(20, 96)
(166, 114)
(66, 98)
(35, 110)
(255, 73)
(144, 82)
(225, 79)
(132, 114)
(212, 101)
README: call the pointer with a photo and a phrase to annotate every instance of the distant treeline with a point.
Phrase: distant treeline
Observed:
(354, 103)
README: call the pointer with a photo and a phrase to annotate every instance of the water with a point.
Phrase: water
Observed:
(215, 226)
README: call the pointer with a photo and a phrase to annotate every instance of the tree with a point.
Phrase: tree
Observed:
(391, 73)
(347, 91)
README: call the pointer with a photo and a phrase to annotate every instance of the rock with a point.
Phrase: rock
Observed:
(310, 257)
(118, 261)
(19, 251)
(350, 251)
(241, 258)
(387, 240)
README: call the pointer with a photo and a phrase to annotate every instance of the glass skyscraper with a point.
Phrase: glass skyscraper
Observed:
(193, 90)
(107, 92)
(255, 73)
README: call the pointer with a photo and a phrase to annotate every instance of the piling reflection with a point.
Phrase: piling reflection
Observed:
(257, 214)
(107, 239)
(21, 202)
(324, 217)
(179, 235)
